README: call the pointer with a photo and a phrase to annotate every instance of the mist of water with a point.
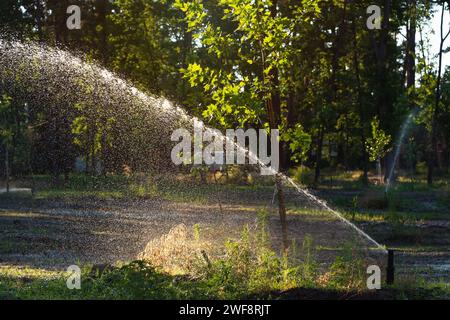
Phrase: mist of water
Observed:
(54, 77)
(398, 146)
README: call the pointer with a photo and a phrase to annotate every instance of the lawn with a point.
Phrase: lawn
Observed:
(111, 218)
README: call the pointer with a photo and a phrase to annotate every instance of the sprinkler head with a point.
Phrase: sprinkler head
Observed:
(390, 270)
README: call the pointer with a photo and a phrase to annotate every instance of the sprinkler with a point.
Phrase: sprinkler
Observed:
(390, 270)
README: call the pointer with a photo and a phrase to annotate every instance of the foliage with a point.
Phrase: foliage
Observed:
(229, 62)
(378, 142)
(244, 45)
(299, 142)
(347, 271)
(14, 134)
(5, 129)
(249, 267)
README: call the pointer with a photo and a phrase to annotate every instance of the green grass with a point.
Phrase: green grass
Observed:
(248, 267)
(233, 277)
(136, 280)
(139, 280)
(81, 186)
(311, 214)
(245, 270)
(415, 287)
(380, 216)
(341, 180)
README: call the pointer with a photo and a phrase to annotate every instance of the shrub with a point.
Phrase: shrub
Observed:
(347, 271)
(303, 175)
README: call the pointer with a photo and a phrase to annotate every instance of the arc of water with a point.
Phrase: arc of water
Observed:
(399, 142)
(166, 106)
(337, 214)
(304, 192)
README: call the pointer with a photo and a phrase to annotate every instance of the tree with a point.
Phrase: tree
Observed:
(299, 143)
(6, 134)
(433, 134)
(136, 39)
(377, 144)
(303, 67)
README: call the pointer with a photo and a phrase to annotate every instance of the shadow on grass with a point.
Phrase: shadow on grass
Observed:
(139, 280)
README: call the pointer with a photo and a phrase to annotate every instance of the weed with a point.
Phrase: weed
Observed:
(196, 228)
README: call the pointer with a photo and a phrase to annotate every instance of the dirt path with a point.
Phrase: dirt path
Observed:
(55, 234)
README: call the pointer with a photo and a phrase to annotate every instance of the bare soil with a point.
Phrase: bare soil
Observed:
(55, 234)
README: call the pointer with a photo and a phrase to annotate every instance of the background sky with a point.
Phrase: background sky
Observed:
(433, 32)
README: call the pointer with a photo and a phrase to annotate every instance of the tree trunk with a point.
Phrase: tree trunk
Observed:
(410, 55)
(59, 22)
(360, 108)
(433, 134)
(385, 107)
(319, 155)
(7, 167)
(282, 211)
(102, 10)
(186, 50)
(40, 16)
(380, 176)
(274, 115)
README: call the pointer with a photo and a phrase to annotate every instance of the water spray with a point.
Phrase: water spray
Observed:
(137, 102)
(399, 143)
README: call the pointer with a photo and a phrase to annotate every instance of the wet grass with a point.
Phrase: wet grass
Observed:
(411, 219)
(139, 280)
(136, 280)
(391, 221)
(117, 187)
(247, 267)
(352, 181)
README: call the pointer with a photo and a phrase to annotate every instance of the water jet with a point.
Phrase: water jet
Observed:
(56, 78)
(398, 145)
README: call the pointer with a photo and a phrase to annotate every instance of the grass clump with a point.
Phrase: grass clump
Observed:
(347, 272)
(247, 268)
(135, 280)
